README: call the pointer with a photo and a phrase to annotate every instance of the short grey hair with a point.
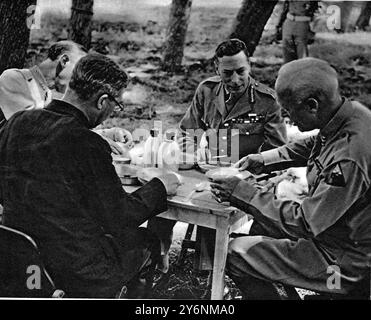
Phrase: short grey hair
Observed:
(96, 73)
(307, 78)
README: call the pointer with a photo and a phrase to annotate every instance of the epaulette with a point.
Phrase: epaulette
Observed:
(212, 81)
(264, 89)
(215, 79)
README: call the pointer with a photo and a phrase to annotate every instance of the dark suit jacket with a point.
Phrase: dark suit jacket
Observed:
(58, 184)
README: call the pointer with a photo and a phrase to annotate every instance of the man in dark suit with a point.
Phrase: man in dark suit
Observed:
(58, 184)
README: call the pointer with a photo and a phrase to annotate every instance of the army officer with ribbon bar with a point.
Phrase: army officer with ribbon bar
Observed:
(234, 100)
(230, 100)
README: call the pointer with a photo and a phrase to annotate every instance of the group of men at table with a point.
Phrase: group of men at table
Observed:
(58, 184)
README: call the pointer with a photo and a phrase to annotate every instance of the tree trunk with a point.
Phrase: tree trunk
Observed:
(251, 20)
(80, 22)
(15, 23)
(176, 33)
(363, 20)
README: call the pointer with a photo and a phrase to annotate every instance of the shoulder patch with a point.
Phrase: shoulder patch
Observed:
(336, 177)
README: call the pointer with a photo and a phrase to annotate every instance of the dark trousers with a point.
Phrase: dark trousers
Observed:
(268, 256)
(295, 40)
(126, 266)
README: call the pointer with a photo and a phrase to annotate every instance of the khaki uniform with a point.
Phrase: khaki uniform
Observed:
(296, 244)
(296, 29)
(255, 114)
(23, 89)
(257, 117)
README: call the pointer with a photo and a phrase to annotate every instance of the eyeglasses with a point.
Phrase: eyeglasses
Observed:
(119, 106)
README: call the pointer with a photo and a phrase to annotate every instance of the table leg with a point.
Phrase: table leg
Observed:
(220, 258)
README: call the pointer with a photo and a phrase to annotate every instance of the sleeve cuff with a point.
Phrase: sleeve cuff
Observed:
(271, 156)
(157, 195)
(244, 192)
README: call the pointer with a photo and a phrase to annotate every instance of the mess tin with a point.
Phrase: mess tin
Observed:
(126, 172)
(128, 180)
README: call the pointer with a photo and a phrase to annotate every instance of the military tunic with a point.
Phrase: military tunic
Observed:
(297, 243)
(23, 89)
(255, 115)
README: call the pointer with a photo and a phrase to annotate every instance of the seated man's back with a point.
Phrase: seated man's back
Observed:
(59, 186)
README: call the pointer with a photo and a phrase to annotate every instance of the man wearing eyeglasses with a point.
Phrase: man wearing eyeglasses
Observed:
(58, 184)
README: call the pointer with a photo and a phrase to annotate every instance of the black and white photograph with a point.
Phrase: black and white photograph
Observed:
(192, 150)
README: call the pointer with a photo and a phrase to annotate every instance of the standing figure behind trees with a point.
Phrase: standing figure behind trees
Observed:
(296, 32)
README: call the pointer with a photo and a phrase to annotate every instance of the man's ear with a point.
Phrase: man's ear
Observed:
(101, 102)
(312, 104)
(64, 59)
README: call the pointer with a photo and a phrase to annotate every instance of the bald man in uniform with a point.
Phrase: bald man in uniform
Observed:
(324, 243)
(230, 102)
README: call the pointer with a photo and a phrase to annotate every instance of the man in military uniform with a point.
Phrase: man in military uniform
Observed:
(322, 244)
(27, 89)
(230, 100)
(296, 32)
(234, 100)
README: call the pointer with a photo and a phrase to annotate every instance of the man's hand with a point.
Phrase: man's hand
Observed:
(222, 189)
(116, 148)
(253, 163)
(171, 182)
(119, 135)
(120, 140)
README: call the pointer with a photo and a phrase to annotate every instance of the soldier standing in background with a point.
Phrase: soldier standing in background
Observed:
(296, 33)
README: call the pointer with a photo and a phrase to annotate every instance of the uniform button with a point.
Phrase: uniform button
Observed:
(247, 133)
(224, 138)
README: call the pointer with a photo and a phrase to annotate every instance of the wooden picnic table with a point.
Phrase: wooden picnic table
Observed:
(202, 210)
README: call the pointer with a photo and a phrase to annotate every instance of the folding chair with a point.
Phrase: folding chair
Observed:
(22, 272)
